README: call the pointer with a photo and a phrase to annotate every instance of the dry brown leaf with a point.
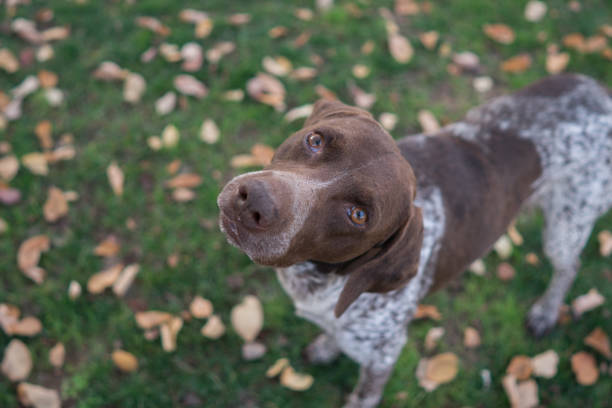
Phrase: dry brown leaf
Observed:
(556, 63)
(9, 314)
(115, 178)
(189, 85)
(303, 73)
(431, 338)
(598, 339)
(169, 332)
(517, 64)
(193, 16)
(26, 29)
(299, 112)
(200, 308)
(9, 196)
(203, 28)
(361, 98)
(425, 382)
(368, 47)
(499, 32)
(107, 248)
(36, 163)
(98, 282)
(55, 34)
(325, 93)
(239, 18)
(478, 267)
(184, 180)
(153, 24)
(266, 89)
(388, 120)
(400, 48)
(523, 395)
(17, 361)
(125, 361)
(170, 52)
(74, 290)
(505, 272)
(589, 301)
(166, 103)
(28, 86)
(219, 50)
(29, 251)
(277, 367)
(253, 350)
(28, 326)
(471, 337)
(442, 368)
(170, 136)
(482, 84)
(407, 7)
(151, 318)
(503, 247)
(43, 132)
(192, 55)
(514, 235)
(574, 41)
(428, 121)
(31, 395)
(277, 32)
(8, 61)
(109, 71)
(361, 71)
(279, 65)
(214, 328)
(126, 278)
(429, 39)
(605, 243)
(243, 160)
(532, 259)
(36, 273)
(595, 43)
(9, 166)
(585, 368)
(47, 79)
(247, 318)
(183, 195)
(133, 87)
(209, 132)
(57, 355)
(263, 154)
(295, 381)
(520, 367)
(44, 53)
(427, 311)
(535, 10)
(467, 60)
(56, 205)
(234, 95)
(545, 364)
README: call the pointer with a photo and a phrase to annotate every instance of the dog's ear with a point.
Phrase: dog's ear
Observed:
(387, 267)
(327, 109)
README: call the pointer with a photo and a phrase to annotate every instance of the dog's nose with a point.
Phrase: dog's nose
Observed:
(255, 205)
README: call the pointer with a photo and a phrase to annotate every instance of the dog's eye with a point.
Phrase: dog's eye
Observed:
(314, 141)
(358, 215)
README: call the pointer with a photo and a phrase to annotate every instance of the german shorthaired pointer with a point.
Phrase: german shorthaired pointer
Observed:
(361, 228)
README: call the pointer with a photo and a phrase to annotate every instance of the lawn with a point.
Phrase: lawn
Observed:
(180, 250)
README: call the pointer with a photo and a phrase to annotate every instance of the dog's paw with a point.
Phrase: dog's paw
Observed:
(323, 350)
(541, 321)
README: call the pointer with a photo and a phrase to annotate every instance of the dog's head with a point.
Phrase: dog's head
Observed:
(338, 191)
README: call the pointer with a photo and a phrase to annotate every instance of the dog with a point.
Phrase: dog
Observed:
(361, 228)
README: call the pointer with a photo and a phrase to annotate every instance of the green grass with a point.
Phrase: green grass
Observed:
(106, 129)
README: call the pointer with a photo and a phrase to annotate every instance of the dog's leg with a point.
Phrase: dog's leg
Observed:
(569, 222)
(323, 350)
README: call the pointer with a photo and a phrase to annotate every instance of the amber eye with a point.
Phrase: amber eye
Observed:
(315, 141)
(358, 215)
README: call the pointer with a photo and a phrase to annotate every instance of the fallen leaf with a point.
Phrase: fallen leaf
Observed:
(153, 24)
(514, 235)
(388, 120)
(243, 160)
(277, 367)
(9, 196)
(36, 163)
(17, 361)
(266, 89)
(26, 29)
(303, 73)
(442, 368)
(170, 52)
(253, 350)
(214, 328)
(427, 311)
(239, 18)
(44, 53)
(532, 259)
(595, 43)
(152, 318)
(219, 50)
(304, 14)
(115, 178)
(482, 84)
(3, 226)
(428, 121)
(9, 314)
(589, 301)
(74, 290)
(503, 247)
(43, 132)
(189, 85)
(361, 98)
(203, 28)
(516, 64)
(467, 60)
(429, 39)
(556, 63)
(277, 32)
(505, 272)
(184, 180)
(535, 11)
(192, 55)
(125, 361)
(598, 339)
(8, 61)
(605, 243)
(200, 308)
(574, 41)
(56, 205)
(499, 32)
(585, 368)
(9, 166)
(31, 395)
(47, 79)
(545, 364)
(263, 154)
(299, 112)
(55, 34)
(234, 95)
(431, 338)
(360, 71)
(57, 355)
(325, 93)
(169, 332)
(107, 248)
(30, 250)
(407, 7)
(289, 378)
(183, 195)
(126, 278)
(133, 87)
(166, 103)
(193, 16)
(521, 395)
(425, 382)
(28, 326)
(170, 136)
(520, 367)
(98, 282)
(400, 48)
(247, 318)
(478, 267)
(209, 132)
(471, 337)
(279, 66)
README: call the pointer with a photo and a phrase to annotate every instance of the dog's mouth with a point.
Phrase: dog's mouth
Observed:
(230, 229)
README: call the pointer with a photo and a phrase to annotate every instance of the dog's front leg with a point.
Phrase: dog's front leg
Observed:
(369, 389)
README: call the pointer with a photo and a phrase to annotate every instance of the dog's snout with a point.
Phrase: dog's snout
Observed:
(256, 205)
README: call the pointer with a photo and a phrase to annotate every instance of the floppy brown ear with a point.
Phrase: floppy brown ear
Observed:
(387, 267)
(327, 109)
